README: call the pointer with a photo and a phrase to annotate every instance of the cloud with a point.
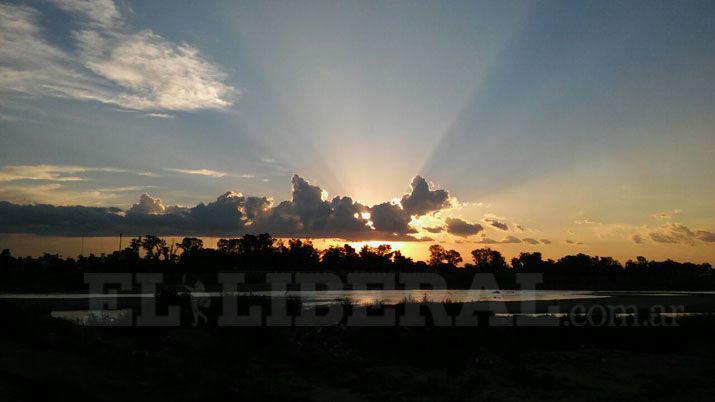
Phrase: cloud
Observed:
(545, 241)
(496, 223)
(510, 239)
(436, 229)
(637, 239)
(388, 217)
(55, 193)
(110, 63)
(41, 172)
(309, 213)
(147, 205)
(159, 115)
(530, 240)
(675, 233)
(199, 172)
(462, 228)
(210, 173)
(572, 242)
(705, 236)
(584, 221)
(103, 13)
(667, 214)
(58, 173)
(422, 200)
(486, 240)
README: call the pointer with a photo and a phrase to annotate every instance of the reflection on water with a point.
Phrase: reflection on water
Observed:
(367, 297)
(355, 296)
(93, 317)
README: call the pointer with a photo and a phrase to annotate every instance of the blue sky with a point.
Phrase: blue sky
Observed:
(578, 121)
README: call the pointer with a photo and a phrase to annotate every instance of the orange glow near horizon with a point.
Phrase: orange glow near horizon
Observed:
(22, 245)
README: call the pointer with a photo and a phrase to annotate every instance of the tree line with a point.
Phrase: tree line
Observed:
(262, 252)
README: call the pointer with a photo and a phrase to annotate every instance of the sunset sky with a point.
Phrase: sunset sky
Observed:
(559, 127)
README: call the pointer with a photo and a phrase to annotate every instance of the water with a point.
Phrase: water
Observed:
(368, 297)
(74, 306)
(362, 297)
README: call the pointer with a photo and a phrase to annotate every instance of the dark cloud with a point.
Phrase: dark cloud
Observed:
(306, 214)
(510, 239)
(422, 200)
(707, 237)
(530, 240)
(437, 229)
(487, 240)
(675, 233)
(387, 217)
(50, 219)
(462, 228)
(545, 241)
(496, 223)
(637, 239)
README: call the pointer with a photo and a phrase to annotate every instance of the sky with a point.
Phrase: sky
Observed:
(551, 126)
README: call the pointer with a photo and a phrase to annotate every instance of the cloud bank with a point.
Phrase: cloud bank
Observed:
(309, 213)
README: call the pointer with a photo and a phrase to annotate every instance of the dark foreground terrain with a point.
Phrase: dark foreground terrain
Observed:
(48, 359)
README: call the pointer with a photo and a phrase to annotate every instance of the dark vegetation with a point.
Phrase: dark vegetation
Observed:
(46, 359)
(257, 254)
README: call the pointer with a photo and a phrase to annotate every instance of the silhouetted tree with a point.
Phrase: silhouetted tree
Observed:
(228, 246)
(154, 246)
(301, 254)
(440, 256)
(400, 262)
(488, 260)
(528, 262)
(343, 257)
(191, 245)
(376, 258)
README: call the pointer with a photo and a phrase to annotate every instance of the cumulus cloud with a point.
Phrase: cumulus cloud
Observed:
(530, 240)
(496, 223)
(422, 200)
(110, 63)
(147, 205)
(462, 228)
(510, 239)
(309, 213)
